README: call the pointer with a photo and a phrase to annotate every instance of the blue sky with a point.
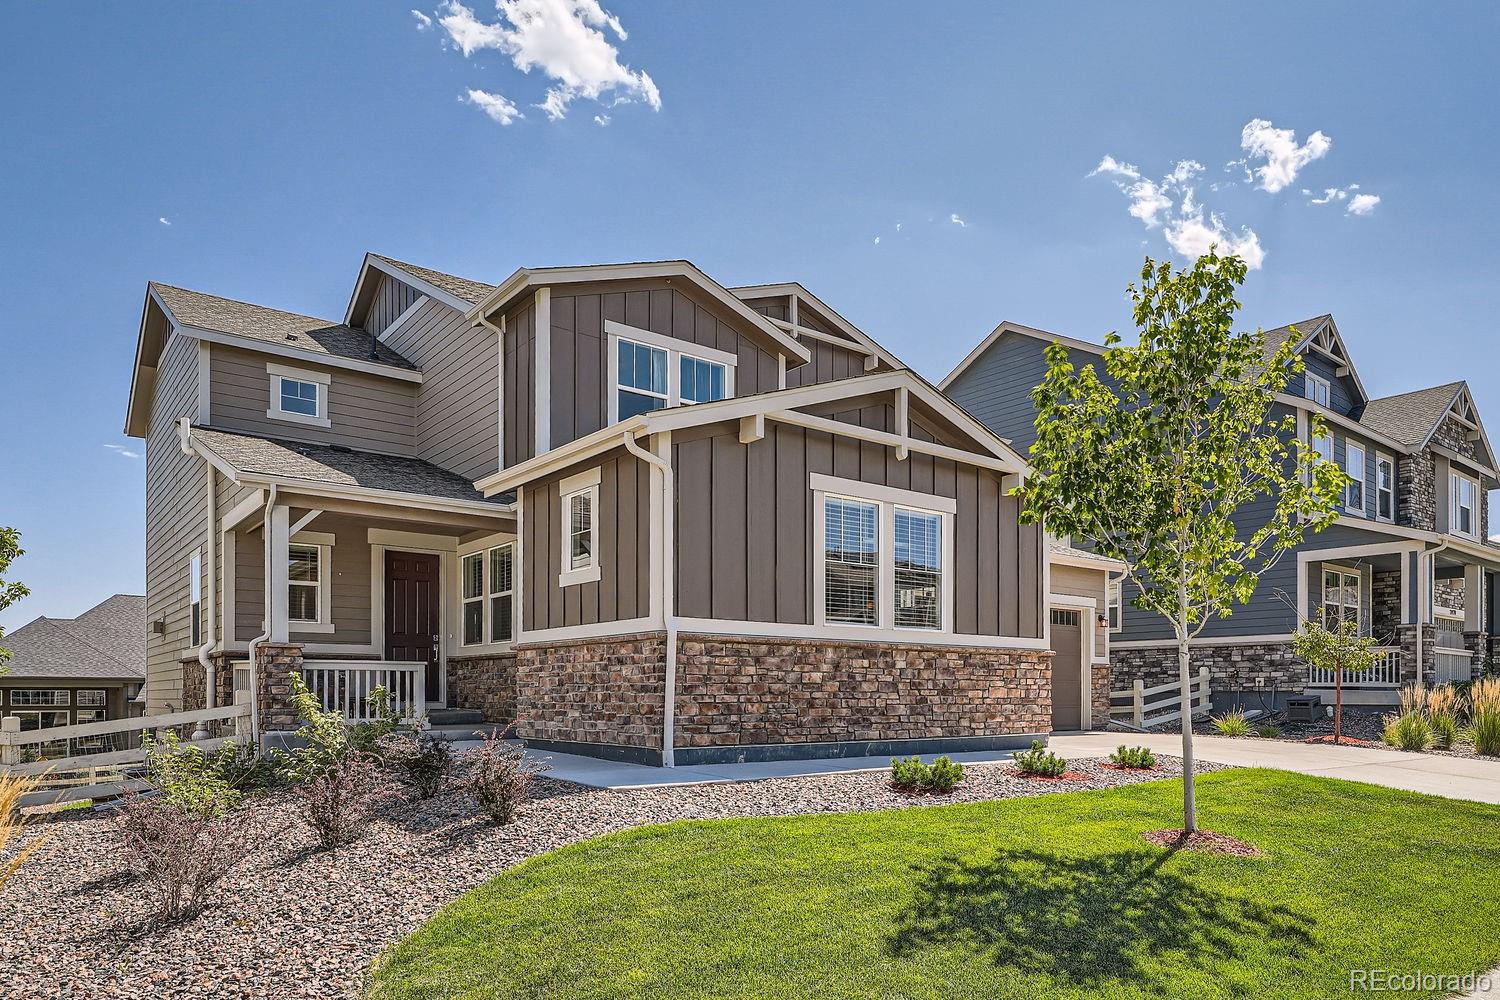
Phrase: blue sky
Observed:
(257, 150)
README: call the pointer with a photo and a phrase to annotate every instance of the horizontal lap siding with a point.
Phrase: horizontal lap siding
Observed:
(349, 583)
(745, 526)
(622, 541)
(366, 412)
(997, 387)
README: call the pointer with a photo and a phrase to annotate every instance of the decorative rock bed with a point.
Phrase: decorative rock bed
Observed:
(297, 924)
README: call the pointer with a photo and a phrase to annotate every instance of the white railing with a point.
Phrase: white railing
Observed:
(346, 685)
(1385, 672)
(1146, 708)
(1451, 665)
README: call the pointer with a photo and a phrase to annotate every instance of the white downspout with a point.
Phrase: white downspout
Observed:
(668, 602)
(255, 644)
(211, 549)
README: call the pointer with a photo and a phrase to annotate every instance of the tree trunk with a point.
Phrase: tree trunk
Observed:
(1338, 706)
(1184, 670)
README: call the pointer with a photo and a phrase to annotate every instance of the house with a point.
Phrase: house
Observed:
(1410, 555)
(642, 515)
(70, 671)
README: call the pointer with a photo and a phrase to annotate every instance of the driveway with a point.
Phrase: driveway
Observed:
(1435, 774)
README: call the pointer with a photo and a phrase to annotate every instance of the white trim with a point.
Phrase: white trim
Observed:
(585, 484)
(483, 549)
(240, 511)
(400, 322)
(1087, 630)
(1364, 467)
(311, 537)
(1455, 479)
(542, 356)
(853, 633)
(563, 633)
(297, 354)
(1098, 563)
(887, 494)
(499, 393)
(1338, 419)
(1334, 555)
(520, 559)
(320, 382)
(447, 614)
(579, 482)
(371, 262)
(675, 351)
(794, 291)
(229, 583)
(1114, 598)
(1386, 457)
(651, 339)
(323, 623)
(304, 521)
(396, 539)
(781, 371)
(1025, 331)
(1311, 382)
(195, 583)
(1344, 574)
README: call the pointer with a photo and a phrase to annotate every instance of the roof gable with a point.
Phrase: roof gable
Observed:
(107, 642)
(1319, 335)
(449, 289)
(1009, 328)
(798, 298)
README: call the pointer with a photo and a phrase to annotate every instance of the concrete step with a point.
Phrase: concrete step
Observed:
(465, 732)
(455, 716)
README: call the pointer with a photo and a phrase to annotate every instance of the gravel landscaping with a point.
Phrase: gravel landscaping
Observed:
(296, 923)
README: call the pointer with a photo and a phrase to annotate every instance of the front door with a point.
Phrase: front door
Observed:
(1067, 669)
(413, 621)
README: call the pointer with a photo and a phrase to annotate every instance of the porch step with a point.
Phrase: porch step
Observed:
(461, 733)
(455, 717)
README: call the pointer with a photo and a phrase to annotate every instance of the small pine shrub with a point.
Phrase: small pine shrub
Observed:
(422, 761)
(1268, 732)
(1135, 758)
(1408, 731)
(1231, 724)
(1040, 761)
(910, 774)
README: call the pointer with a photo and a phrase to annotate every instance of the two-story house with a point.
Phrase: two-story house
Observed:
(640, 514)
(1409, 556)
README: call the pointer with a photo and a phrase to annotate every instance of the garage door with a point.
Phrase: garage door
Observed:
(1067, 666)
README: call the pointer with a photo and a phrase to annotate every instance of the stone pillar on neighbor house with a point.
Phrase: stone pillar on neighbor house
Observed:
(275, 663)
(1406, 638)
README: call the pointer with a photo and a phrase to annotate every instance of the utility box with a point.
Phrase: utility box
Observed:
(1304, 708)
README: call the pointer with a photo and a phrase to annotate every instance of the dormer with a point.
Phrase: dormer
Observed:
(1329, 378)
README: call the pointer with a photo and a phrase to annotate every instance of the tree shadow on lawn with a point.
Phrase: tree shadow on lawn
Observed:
(1088, 921)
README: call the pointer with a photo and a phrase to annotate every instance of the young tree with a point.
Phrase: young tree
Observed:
(11, 591)
(1337, 649)
(1159, 465)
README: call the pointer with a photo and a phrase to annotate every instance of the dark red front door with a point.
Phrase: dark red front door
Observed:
(412, 620)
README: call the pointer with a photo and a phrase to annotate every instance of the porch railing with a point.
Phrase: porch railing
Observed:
(1452, 665)
(1384, 673)
(346, 685)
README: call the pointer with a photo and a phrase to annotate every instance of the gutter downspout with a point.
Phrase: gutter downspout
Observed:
(255, 644)
(669, 618)
(211, 550)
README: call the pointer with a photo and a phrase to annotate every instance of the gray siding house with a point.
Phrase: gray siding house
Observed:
(1410, 554)
(637, 513)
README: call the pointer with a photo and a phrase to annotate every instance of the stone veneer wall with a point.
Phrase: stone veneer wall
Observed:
(605, 691)
(1449, 593)
(1100, 679)
(1249, 667)
(484, 683)
(195, 683)
(275, 664)
(1385, 604)
(747, 692)
(1416, 491)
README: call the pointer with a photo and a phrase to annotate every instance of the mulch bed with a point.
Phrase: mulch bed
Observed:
(1344, 741)
(294, 922)
(1202, 840)
(1108, 766)
(1065, 776)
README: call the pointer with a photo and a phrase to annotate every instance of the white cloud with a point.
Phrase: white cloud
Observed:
(1362, 204)
(1110, 165)
(601, 120)
(164, 221)
(1189, 234)
(877, 241)
(497, 106)
(1172, 204)
(565, 39)
(123, 451)
(423, 21)
(1278, 147)
(898, 227)
(1358, 204)
(957, 221)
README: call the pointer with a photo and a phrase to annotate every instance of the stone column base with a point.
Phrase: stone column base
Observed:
(275, 662)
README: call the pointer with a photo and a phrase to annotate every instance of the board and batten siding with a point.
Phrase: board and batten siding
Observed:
(622, 540)
(175, 521)
(744, 529)
(830, 362)
(365, 412)
(391, 298)
(519, 391)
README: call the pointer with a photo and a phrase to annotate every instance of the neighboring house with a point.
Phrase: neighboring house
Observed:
(1410, 555)
(641, 514)
(68, 671)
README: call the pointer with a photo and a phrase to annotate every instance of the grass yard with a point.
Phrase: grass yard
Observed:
(1055, 896)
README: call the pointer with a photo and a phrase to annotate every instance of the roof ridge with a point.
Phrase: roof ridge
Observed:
(87, 642)
(247, 302)
(1428, 388)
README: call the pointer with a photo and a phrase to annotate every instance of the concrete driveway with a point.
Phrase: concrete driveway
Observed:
(1435, 774)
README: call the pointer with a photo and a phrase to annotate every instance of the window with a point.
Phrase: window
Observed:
(90, 699)
(195, 598)
(304, 583)
(488, 595)
(1114, 605)
(1069, 619)
(1385, 488)
(33, 721)
(1323, 445)
(580, 505)
(86, 716)
(1316, 389)
(38, 698)
(1354, 466)
(502, 582)
(881, 557)
(651, 372)
(473, 598)
(298, 395)
(1341, 597)
(1463, 517)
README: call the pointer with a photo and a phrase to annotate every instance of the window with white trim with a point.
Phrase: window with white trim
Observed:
(651, 372)
(489, 595)
(83, 716)
(195, 598)
(1316, 388)
(1354, 467)
(90, 699)
(40, 697)
(1463, 505)
(579, 508)
(1114, 605)
(1385, 487)
(851, 561)
(918, 568)
(641, 384)
(580, 527)
(298, 395)
(1323, 445)
(502, 592)
(473, 598)
(700, 381)
(1341, 597)
(304, 583)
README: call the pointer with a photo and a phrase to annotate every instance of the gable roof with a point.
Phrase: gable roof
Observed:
(449, 289)
(106, 642)
(1411, 417)
(1321, 334)
(824, 311)
(1005, 327)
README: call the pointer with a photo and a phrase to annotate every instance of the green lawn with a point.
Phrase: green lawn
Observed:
(1054, 896)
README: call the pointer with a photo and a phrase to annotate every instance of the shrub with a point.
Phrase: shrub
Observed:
(1484, 713)
(1413, 698)
(422, 761)
(1445, 731)
(11, 825)
(1231, 723)
(187, 777)
(1040, 761)
(1268, 731)
(336, 804)
(500, 777)
(328, 736)
(1135, 758)
(1408, 731)
(179, 852)
(910, 774)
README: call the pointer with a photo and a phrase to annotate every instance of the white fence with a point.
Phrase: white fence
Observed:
(1452, 665)
(1384, 673)
(1146, 707)
(346, 685)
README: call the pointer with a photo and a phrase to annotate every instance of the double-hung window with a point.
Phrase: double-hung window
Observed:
(1323, 445)
(1341, 597)
(473, 598)
(304, 583)
(1354, 467)
(1385, 487)
(883, 557)
(579, 509)
(298, 395)
(1463, 505)
(90, 699)
(489, 594)
(651, 372)
(1114, 605)
(195, 598)
(1316, 388)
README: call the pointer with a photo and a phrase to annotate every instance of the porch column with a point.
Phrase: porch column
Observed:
(1473, 598)
(278, 564)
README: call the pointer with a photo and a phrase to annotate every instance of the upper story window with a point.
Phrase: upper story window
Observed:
(1463, 505)
(1354, 466)
(651, 372)
(1385, 487)
(91, 699)
(1114, 603)
(298, 395)
(1323, 445)
(1316, 388)
(40, 697)
(488, 595)
(579, 497)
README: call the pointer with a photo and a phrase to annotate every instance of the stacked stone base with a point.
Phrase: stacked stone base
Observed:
(486, 684)
(195, 683)
(1263, 667)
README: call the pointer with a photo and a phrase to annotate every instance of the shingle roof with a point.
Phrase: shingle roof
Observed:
(1281, 334)
(245, 319)
(336, 466)
(468, 289)
(1067, 551)
(1410, 416)
(106, 642)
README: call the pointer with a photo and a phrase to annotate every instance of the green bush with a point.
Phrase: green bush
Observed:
(187, 777)
(422, 760)
(328, 736)
(1040, 761)
(1444, 730)
(1231, 723)
(910, 774)
(1408, 731)
(1484, 701)
(1268, 731)
(1135, 758)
